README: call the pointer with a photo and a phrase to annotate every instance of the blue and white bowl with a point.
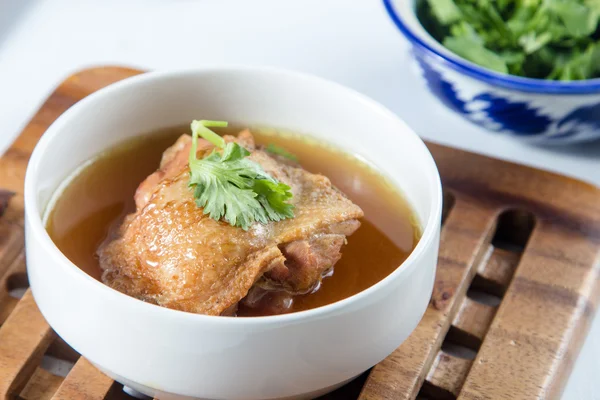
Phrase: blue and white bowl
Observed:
(535, 110)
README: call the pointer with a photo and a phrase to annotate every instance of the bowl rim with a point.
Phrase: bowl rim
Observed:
(34, 214)
(588, 86)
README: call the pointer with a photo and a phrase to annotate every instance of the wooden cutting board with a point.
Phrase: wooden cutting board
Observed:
(516, 288)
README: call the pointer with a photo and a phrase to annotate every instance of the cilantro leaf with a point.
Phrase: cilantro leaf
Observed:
(532, 42)
(473, 51)
(273, 196)
(578, 19)
(446, 11)
(230, 186)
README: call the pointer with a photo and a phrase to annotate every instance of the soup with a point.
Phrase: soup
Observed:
(97, 199)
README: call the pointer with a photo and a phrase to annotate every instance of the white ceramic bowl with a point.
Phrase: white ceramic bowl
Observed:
(534, 110)
(172, 354)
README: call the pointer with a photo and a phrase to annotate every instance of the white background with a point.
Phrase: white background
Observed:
(352, 42)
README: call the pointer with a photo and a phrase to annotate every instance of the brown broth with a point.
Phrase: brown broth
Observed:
(102, 194)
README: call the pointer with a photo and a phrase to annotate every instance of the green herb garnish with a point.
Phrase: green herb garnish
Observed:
(232, 187)
(544, 39)
(280, 151)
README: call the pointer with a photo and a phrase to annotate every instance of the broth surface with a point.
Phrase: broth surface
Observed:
(100, 196)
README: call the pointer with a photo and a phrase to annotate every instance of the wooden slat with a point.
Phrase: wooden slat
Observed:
(84, 382)
(24, 338)
(61, 350)
(449, 373)
(474, 318)
(500, 266)
(8, 303)
(41, 386)
(12, 260)
(11, 243)
(463, 245)
(542, 319)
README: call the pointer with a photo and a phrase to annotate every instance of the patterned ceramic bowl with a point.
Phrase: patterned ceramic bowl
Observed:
(535, 110)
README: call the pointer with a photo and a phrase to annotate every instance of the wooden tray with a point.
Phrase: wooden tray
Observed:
(516, 288)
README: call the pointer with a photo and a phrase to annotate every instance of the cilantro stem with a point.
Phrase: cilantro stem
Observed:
(201, 128)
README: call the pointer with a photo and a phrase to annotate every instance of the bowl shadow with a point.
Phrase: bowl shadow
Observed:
(589, 150)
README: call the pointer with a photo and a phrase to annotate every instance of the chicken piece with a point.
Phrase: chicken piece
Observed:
(170, 253)
(174, 160)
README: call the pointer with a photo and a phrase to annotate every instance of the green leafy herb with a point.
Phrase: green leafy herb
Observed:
(544, 39)
(280, 151)
(446, 11)
(230, 186)
(473, 50)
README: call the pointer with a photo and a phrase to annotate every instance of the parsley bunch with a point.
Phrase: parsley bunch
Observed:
(544, 39)
(228, 185)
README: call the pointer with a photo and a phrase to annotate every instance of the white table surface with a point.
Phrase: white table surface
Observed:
(352, 42)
